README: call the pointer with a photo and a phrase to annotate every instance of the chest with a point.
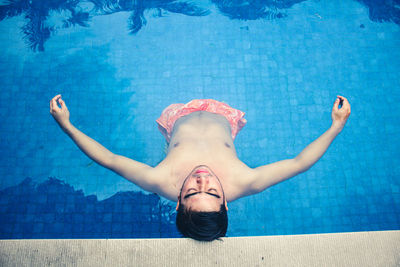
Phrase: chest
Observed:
(202, 139)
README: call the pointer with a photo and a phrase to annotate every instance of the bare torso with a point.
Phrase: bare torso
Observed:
(202, 138)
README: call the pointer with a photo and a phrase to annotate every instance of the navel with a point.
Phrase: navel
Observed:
(227, 145)
(176, 144)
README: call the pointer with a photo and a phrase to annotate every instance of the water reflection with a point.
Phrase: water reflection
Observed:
(44, 17)
(254, 9)
(137, 20)
(383, 11)
(37, 13)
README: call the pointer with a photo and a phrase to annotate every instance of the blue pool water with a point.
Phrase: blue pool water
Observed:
(118, 65)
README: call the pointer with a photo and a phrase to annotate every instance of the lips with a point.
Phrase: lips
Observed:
(201, 171)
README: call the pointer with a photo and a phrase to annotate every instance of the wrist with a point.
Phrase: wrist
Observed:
(66, 127)
(337, 127)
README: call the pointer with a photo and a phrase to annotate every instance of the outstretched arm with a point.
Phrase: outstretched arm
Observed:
(271, 174)
(138, 173)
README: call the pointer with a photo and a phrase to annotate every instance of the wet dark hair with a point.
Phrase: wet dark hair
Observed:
(202, 226)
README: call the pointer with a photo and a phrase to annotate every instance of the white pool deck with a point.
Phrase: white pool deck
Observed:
(378, 248)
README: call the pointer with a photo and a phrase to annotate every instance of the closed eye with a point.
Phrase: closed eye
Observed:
(214, 195)
(192, 194)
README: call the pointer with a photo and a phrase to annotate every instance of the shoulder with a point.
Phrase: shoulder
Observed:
(241, 182)
(163, 182)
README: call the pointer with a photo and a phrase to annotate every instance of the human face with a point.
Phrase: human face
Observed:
(202, 190)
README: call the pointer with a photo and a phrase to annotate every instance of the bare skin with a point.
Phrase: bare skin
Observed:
(201, 169)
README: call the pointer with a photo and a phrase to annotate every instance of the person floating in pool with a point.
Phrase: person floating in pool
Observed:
(201, 170)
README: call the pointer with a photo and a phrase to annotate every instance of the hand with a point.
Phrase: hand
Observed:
(61, 115)
(340, 116)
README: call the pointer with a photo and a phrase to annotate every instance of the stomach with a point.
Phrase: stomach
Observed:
(201, 128)
(208, 141)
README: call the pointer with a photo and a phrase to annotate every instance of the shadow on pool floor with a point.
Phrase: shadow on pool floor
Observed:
(54, 209)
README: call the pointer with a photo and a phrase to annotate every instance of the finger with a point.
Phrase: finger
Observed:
(346, 104)
(54, 105)
(62, 103)
(56, 97)
(342, 98)
(348, 108)
(336, 104)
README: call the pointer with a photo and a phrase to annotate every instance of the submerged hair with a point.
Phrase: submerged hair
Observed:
(202, 226)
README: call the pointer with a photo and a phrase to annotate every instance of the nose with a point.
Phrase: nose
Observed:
(202, 181)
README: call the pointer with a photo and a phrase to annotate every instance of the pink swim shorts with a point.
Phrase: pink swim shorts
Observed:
(175, 111)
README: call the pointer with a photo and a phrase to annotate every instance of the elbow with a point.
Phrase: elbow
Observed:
(109, 161)
(301, 166)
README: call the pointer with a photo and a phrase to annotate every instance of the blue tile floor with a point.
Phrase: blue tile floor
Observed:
(283, 63)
